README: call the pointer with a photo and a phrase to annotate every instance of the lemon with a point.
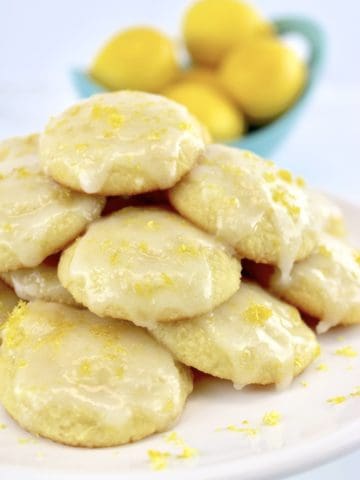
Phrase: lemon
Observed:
(212, 27)
(208, 105)
(202, 75)
(264, 77)
(140, 58)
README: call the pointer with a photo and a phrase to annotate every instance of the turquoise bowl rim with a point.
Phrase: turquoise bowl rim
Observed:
(314, 37)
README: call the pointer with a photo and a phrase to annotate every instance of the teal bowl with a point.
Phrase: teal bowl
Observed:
(262, 140)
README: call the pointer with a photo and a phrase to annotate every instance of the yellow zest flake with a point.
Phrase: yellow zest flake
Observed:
(119, 372)
(324, 251)
(22, 172)
(25, 441)
(158, 460)
(167, 280)
(21, 363)
(169, 406)
(300, 182)
(285, 175)
(157, 134)
(269, 177)
(336, 400)
(115, 120)
(85, 368)
(232, 201)
(298, 362)
(234, 170)
(184, 248)
(175, 439)
(152, 225)
(270, 419)
(245, 422)
(115, 257)
(184, 126)
(355, 392)
(304, 384)
(108, 134)
(142, 288)
(110, 114)
(357, 257)
(251, 432)
(283, 198)
(250, 156)
(2, 426)
(2, 176)
(143, 247)
(81, 147)
(346, 352)
(7, 227)
(322, 367)
(257, 314)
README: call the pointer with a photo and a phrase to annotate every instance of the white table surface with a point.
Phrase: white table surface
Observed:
(41, 40)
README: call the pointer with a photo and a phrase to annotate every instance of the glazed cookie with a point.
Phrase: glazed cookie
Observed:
(82, 380)
(326, 285)
(253, 338)
(328, 215)
(8, 300)
(38, 283)
(262, 211)
(37, 216)
(121, 143)
(147, 265)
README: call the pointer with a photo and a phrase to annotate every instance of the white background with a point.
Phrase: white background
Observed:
(40, 41)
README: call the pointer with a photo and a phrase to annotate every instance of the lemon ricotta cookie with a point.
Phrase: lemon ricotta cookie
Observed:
(259, 209)
(253, 338)
(38, 283)
(147, 265)
(37, 215)
(121, 143)
(329, 216)
(326, 285)
(81, 380)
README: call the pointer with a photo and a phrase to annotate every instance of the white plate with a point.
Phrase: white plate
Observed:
(312, 431)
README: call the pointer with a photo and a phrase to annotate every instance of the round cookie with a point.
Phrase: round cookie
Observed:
(38, 283)
(121, 143)
(147, 265)
(81, 380)
(37, 216)
(262, 211)
(8, 300)
(329, 216)
(326, 285)
(253, 338)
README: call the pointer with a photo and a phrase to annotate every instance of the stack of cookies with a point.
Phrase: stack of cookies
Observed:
(123, 232)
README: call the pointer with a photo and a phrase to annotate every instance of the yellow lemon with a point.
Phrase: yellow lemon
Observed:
(139, 58)
(212, 27)
(202, 75)
(213, 109)
(264, 77)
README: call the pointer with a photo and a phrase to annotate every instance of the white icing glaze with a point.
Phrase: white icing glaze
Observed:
(230, 191)
(148, 137)
(329, 279)
(32, 206)
(83, 380)
(38, 283)
(251, 338)
(148, 264)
